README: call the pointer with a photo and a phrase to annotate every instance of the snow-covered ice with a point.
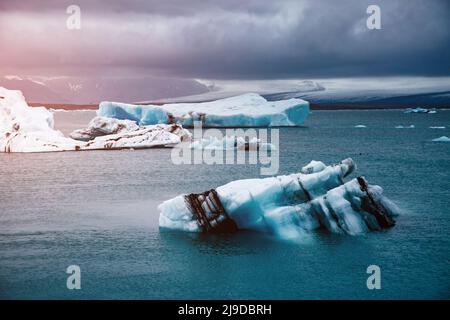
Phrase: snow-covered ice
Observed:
(442, 139)
(247, 110)
(27, 129)
(286, 206)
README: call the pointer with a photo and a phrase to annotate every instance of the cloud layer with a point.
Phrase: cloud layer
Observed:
(226, 39)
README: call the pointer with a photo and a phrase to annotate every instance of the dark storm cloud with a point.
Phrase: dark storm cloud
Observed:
(227, 38)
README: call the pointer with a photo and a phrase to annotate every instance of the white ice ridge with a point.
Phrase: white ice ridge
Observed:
(286, 206)
(247, 110)
(27, 129)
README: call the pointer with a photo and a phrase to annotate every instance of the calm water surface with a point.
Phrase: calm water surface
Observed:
(98, 210)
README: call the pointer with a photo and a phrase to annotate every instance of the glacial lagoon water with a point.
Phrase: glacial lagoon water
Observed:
(98, 210)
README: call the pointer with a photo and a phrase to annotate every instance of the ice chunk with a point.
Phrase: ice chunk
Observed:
(27, 129)
(360, 126)
(313, 167)
(143, 115)
(405, 127)
(437, 127)
(285, 206)
(442, 139)
(230, 142)
(247, 110)
(419, 110)
(160, 135)
(101, 126)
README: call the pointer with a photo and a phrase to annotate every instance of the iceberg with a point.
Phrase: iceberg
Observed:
(161, 135)
(419, 110)
(442, 139)
(231, 142)
(247, 110)
(285, 206)
(405, 127)
(30, 129)
(26, 129)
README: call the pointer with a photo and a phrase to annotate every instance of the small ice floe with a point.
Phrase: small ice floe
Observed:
(441, 139)
(439, 127)
(229, 143)
(287, 206)
(419, 110)
(405, 127)
(360, 126)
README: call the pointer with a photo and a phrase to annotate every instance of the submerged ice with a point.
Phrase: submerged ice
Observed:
(286, 206)
(247, 110)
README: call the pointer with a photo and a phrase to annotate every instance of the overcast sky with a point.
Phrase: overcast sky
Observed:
(225, 39)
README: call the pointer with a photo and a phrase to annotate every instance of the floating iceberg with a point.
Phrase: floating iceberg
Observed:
(247, 110)
(286, 206)
(405, 127)
(419, 110)
(27, 129)
(230, 142)
(442, 139)
(438, 127)
(160, 135)
(360, 126)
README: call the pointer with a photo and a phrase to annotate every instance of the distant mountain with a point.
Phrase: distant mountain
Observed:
(278, 89)
(353, 93)
(94, 90)
(341, 93)
(395, 93)
(432, 99)
(33, 91)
